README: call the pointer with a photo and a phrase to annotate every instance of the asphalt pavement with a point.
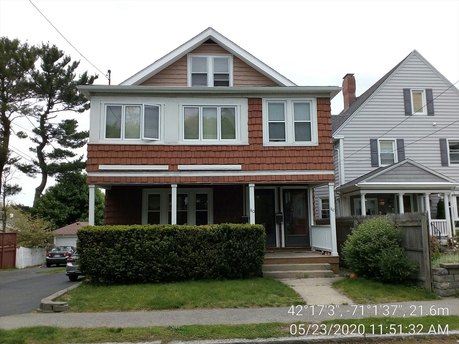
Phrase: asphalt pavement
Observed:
(21, 290)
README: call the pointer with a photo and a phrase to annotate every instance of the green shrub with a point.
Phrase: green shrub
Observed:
(163, 253)
(373, 250)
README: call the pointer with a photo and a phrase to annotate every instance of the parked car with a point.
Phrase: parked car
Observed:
(58, 255)
(73, 269)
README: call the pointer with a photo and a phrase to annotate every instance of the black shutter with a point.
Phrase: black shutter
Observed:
(444, 152)
(401, 149)
(407, 101)
(374, 152)
(429, 102)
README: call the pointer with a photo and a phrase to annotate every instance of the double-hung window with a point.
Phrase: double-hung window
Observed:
(453, 147)
(131, 122)
(289, 122)
(387, 152)
(418, 101)
(210, 123)
(209, 70)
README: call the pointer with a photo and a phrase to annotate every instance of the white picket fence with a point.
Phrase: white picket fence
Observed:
(26, 257)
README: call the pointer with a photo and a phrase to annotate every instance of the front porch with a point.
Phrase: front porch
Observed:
(285, 210)
(404, 187)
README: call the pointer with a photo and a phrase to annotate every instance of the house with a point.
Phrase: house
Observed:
(67, 236)
(210, 134)
(396, 146)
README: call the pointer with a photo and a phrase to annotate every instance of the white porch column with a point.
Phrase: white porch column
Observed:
(427, 208)
(446, 202)
(401, 206)
(363, 207)
(92, 207)
(331, 200)
(174, 204)
(252, 204)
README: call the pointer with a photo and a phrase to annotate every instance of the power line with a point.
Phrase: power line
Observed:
(60, 33)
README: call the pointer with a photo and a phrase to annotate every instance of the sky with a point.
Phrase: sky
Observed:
(312, 43)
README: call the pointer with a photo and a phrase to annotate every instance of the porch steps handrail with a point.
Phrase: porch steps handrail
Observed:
(439, 227)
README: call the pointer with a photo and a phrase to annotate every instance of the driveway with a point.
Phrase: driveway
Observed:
(21, 290)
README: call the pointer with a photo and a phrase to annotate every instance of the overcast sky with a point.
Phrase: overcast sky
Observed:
(309, 42)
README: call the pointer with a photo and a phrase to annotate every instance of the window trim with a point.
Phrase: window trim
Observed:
(219, 140)
(191, 206)
(423, 100)
(449, 152)
(210, 68)
(290, 122)
(394, 149)
(123, 124)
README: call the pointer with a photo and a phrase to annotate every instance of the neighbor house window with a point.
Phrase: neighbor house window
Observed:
(209, 70)
(209, 123)
(289, 122)
(387, 152)
(453, 147)
(418, 101)
(132, 122)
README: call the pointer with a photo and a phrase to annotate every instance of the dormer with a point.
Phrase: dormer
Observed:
(208, 60)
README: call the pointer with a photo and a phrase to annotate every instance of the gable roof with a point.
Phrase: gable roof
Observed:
(71, 229)
(339, 120)
(196, 41)
(392, 175)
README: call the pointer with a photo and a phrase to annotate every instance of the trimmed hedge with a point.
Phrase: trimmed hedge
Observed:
(164, 253)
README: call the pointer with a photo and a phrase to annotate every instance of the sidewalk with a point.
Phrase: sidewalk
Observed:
(307, 313)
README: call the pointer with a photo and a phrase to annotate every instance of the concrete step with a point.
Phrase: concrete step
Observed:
(298, 274)
(300, 260)
(296, 267)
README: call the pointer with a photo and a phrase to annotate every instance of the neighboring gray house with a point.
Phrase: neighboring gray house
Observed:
(396, 147)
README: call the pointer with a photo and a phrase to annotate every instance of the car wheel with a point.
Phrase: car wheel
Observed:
(73, 278)
(48, 264)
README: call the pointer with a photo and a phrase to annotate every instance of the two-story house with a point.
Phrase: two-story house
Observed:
(396, 146)
(210, 134)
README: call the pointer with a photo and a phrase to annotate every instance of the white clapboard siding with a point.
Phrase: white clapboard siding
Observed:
(385, 109)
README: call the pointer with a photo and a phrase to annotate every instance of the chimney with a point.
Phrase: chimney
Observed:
(348, 90)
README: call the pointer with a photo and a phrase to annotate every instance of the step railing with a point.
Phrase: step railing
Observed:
(439, 228)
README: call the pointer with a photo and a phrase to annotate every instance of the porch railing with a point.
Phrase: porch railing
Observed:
(321, 237)
(439, 228)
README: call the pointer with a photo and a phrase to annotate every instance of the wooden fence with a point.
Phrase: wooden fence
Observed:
(415, 240)
(7, 250)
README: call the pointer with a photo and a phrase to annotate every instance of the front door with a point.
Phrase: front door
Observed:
(265, 206)
(296, 219)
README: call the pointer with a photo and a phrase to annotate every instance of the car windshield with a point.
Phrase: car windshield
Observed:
(61, 248)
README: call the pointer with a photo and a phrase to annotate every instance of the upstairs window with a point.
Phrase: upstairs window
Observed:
(387, 152)
(209, 70)
(289, 122)
(453, 147)
(418, 101)
(132, 122)
(209, 123)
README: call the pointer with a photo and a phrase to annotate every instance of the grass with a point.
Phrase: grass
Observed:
(257, 292)
(361, 290)
(54, 335)
(446, 258)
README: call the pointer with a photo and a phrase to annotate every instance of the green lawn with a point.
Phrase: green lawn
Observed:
(257, 292)
(361, 290)
(446, 258)
(53, 335)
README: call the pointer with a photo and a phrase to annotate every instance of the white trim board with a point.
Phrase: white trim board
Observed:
(209, 167)
(134, 167)
(212, 174)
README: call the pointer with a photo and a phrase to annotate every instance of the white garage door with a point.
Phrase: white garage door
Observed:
(65, 241)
